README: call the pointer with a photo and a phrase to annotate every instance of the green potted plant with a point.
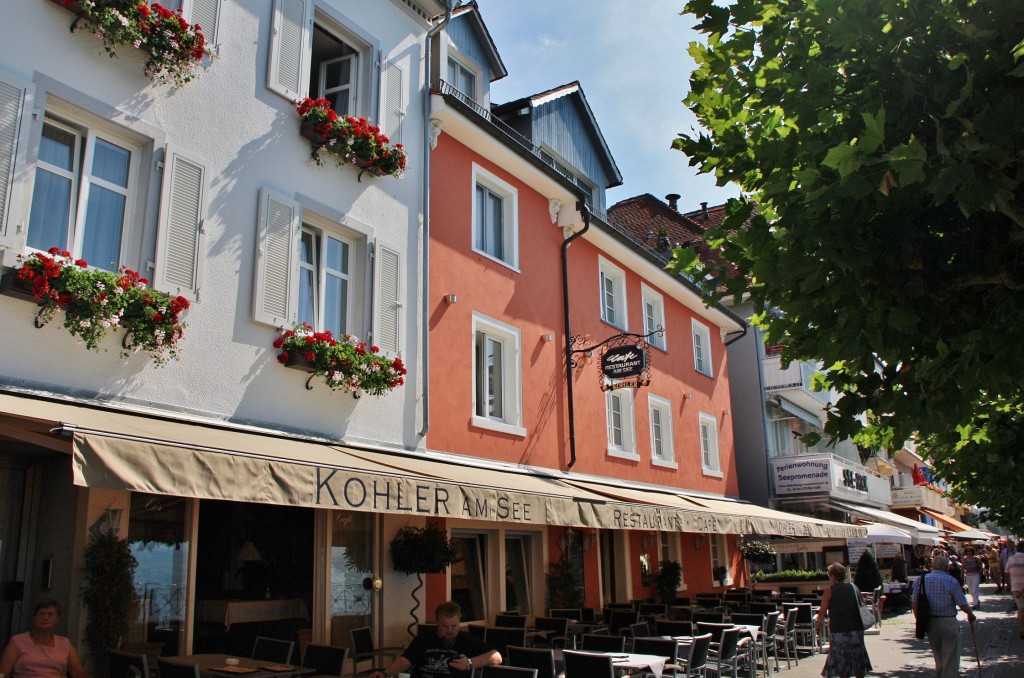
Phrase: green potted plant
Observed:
(108, 592)
(758, 552)
(564, 590)
(97, 302)
(349, 140)
(719, 574)
(867, 577)
(344, 363)
(173, 46)
(670, 575)
(420, 551)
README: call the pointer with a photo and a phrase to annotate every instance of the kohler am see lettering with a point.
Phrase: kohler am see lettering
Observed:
(392, 495)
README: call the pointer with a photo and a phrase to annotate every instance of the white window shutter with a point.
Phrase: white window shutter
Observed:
(277, 246)
(394, 102)
(179, 236)
(289, 43)
(15, 122)
(388, 281)
(206, 13)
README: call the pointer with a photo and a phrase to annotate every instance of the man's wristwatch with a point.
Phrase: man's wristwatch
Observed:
(469, 664)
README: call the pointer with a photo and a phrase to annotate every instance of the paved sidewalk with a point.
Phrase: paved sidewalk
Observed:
(896, 652)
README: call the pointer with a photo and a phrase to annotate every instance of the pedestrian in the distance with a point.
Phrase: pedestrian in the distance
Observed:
(945, 595)
(995, 573)
(956, 571)
(1015, 569)
(1004, 554)
(847, 654)
(972, 573)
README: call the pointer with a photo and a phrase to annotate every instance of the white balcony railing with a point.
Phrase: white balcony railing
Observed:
(920, 495)
(794, 383)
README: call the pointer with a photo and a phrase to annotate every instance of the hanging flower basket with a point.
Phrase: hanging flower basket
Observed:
(97, 302)
(349, 140)
(174, 47)
(344, 364)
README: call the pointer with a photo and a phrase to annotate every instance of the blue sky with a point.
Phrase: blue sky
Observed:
(630, 57)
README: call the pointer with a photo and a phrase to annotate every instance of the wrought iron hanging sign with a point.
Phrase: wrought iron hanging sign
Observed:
(624, 359)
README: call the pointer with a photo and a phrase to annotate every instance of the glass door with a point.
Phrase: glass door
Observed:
(158, 535)
(352, 540)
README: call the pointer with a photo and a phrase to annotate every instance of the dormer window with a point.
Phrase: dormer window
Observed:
(462, 78)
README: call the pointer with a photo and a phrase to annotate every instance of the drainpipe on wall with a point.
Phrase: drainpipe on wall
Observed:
(585, 213)
(450, 6)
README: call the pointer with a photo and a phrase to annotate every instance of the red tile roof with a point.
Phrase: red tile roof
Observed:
(644, 216)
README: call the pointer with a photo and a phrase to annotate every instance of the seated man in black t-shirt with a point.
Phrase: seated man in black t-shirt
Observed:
(447, 652)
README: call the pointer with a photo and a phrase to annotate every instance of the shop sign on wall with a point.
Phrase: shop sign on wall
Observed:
(795, 476)
(625, 365)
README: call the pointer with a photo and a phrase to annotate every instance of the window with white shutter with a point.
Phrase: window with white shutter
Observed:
(206, 13)
(317, 52)
(180, 230)
(314, 268)
(14, 124)
(388, 299)
(277, 242)
(394, 102)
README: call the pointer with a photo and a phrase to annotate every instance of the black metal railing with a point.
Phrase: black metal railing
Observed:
(447, 89)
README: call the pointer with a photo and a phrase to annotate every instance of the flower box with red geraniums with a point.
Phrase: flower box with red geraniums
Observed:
(346, 363)
(350, 140)
(174, 47)
(96, 302)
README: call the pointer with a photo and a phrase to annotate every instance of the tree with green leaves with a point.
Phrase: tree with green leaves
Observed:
(868, 577)
(881, 230)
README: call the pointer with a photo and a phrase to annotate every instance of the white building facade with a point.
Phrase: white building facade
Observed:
(207, 190)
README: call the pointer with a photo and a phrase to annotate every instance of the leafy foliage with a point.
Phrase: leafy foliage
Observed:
(564, 588)
(344, 363)
(790, 575)
(867, 577)
(174, 46)
(422, 550)
(758, 552)
(668, 579)
(108, 591)
(882, 231)
(350, 140)
(96, 302)
(720, 573)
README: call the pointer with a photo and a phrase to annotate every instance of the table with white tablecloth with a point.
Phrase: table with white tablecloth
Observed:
(243, 611)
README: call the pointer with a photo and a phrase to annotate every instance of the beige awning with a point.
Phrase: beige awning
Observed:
(714, 516)
(153, 452)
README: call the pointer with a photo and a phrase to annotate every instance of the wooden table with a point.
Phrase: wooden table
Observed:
(210, 663)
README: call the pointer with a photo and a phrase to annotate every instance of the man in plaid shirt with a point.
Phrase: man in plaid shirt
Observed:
(945, 595)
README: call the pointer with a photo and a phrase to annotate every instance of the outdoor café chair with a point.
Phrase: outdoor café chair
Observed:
(326, 660)
(363, 650)
(785, 637)
(585, 665)
(554, 632)
(664, 627)
(725, 656)
(127, 664)
(593, 642)
(659, 647)
(499, 671)
(500, 637)
(514, 621)
(541, 659)
(273, 650)
(694, 664)
(168, 669)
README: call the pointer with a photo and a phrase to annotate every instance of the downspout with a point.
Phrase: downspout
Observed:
(425, 306)
(585, 213)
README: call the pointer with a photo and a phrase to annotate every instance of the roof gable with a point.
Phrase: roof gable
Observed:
(566, 108)
(469, 32)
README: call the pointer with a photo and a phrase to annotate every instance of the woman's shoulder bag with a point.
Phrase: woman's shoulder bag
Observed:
(924, 611)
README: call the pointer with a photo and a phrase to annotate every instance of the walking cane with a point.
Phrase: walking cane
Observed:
(977, 655)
